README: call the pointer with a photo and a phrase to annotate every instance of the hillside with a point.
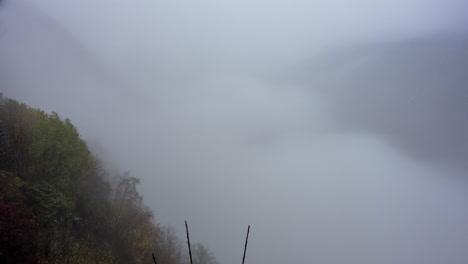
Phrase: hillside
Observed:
(59, 205)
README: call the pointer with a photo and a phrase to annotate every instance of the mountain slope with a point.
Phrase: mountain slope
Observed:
(414, 92)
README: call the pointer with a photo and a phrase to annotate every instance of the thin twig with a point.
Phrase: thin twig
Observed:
(246, 240)
(188, 242)
(154, 259)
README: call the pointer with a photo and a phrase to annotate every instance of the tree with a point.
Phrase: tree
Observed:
(135, 234)
(127, 199)
(92, 208)
(18, 122)
(169, 247)
(202, 255)
(61, 156)
(47, 203)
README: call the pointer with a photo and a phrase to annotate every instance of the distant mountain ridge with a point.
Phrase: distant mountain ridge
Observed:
(414, 92)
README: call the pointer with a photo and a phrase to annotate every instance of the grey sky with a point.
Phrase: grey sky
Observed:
(251, 112)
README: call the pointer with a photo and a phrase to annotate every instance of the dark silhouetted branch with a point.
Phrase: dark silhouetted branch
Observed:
(188, 242)
(154, 259)
(245, 247)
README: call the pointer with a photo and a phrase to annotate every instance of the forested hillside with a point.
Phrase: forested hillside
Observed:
(59, 205)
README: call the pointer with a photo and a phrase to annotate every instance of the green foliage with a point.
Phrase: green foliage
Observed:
(18, 182)
(62, 156)
(10, 187)
(18, 121)
(47, 203)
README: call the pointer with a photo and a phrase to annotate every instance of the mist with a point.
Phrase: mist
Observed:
(336, 130)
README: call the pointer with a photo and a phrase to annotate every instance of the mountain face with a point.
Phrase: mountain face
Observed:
(413, 92)
(40, 58)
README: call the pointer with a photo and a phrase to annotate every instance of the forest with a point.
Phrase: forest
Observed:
(58, 203)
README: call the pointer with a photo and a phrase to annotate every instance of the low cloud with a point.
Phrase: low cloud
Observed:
(196, 99)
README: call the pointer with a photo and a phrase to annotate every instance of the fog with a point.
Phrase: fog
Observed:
(337, 130)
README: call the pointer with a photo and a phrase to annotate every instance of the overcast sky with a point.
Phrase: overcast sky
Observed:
(336, 129)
